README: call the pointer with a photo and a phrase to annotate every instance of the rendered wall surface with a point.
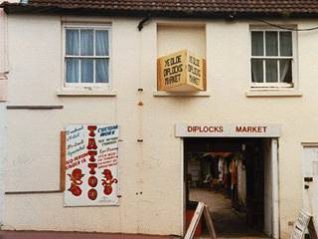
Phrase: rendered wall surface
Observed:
(153, 167)
(3, 97)
(3, 151)
(3, 58)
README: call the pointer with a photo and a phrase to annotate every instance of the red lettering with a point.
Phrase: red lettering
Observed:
(92, 181)
(189, 129)
(251, 129)
(92, 194)
(91, 129)
(205, 129)
(92, 155)
(92, 167)
(91, 144)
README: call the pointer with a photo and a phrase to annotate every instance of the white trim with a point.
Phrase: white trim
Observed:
(275, 188)
(271, 85)
(273, 92)
(183, 199)
(85, 92)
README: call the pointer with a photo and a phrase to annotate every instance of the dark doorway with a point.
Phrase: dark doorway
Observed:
(228, 175)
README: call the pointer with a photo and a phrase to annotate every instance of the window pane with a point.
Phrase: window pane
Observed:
(257, 70)
(271, 44)
(72, 70)
(286, 71)
(257, 44)
(87, 71)
(102, 44)
(286, 48)
(72, 42)
(271, 71)
(102, 71)
(87, 42)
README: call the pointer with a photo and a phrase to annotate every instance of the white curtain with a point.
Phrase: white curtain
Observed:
(102, 71)
(102, 43)
(257, 71)
(72, 70)
(271, 71)
(285, 71)
(72, 42)
(81, 43)
(87, 42)
(87, 49)
(87, 71)
(72, 49)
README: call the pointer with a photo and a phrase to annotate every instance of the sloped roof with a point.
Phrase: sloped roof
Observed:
(171, 8)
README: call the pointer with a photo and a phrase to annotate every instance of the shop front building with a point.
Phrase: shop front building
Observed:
(120, 121)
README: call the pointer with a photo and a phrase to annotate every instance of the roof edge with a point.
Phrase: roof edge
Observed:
(18, 8)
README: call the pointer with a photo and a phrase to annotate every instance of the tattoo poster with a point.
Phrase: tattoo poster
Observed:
(91, 165)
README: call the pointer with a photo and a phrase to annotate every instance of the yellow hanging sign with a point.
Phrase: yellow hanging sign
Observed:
(181, 71)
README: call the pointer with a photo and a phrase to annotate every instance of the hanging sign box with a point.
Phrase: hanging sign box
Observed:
(181, 72)
(91, 165)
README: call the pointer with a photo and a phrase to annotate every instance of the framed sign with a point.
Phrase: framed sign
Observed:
(91, 165)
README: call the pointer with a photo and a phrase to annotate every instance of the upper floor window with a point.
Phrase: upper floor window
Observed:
(87, 56)
(272, 58)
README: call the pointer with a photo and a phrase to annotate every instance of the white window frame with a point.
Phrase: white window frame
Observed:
(88, 86)
(273, 85)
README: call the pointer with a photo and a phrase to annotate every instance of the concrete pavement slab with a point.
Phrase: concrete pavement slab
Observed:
(74, 235)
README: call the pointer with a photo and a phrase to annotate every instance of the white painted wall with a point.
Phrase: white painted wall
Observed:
(154, 166)
(190, 37)
(3, 57)
(3, 151)
(3, 96)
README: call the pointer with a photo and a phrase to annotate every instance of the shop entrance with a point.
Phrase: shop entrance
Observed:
(234, 177)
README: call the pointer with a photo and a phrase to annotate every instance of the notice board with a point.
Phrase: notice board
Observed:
(91, 165)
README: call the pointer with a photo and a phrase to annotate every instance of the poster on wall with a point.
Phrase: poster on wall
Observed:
(91, 165)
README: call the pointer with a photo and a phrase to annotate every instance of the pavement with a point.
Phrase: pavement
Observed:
(228, 223)
(74, 235)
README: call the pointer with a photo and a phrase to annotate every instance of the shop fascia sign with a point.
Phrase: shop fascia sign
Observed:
(181, 72)
(228, 130)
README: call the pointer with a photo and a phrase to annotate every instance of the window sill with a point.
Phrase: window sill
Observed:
(86, 93)
(273, 93)
(181, 94)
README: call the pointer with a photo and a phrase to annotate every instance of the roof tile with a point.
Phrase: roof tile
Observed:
(182, 6)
